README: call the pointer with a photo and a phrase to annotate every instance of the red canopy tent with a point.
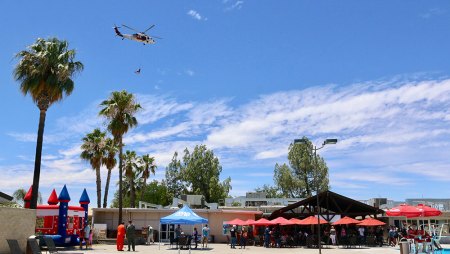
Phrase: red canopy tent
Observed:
(404, 210)
(311, 220)
(262, 222)
(346, 221)
(295, 221)
(282, 221)
(371, 222)
(237, 222)
(250, 222)
(427, 211)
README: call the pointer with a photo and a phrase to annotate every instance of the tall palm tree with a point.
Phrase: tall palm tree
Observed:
(148, 167)
(119, 109)
(110, 162)
(93, 151)
(131, 173)
(45, 71)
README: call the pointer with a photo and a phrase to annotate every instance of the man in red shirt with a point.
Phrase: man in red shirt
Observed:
(120, 236)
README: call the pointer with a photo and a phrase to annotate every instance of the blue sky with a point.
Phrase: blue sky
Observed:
(245, 78)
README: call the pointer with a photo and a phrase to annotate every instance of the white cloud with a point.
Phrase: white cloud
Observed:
(236, 5)
(385, 128)
(432, 12)
(194, 14)
(189, 72)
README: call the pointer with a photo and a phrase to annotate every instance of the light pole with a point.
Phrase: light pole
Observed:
(329, 141)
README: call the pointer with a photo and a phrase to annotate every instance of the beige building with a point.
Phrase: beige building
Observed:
(143, 217)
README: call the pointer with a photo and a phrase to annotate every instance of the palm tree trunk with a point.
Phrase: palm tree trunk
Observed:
(143, 189)
(105, 198)
(37, 160)
(99, 187)
(132, 193)
(120, 179)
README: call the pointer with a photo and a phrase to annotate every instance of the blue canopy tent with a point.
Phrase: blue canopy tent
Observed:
(183, 216)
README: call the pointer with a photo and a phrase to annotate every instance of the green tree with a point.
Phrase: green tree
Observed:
(287, 182)
(93, 151)
(45, 71)
(109, 161)
(271, 191)
(156, 193)
(199, 173)
(119, 109)
(304, 174)
(174, 180)
(147, 167)
(131, 167)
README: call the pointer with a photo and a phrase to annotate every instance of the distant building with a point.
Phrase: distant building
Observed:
(253, 200)
(442, 204)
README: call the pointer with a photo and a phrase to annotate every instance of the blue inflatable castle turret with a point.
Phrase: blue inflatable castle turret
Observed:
(84, 202)
(63, 199)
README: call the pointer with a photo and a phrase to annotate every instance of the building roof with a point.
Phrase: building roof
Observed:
(331, 204)
(5, 196)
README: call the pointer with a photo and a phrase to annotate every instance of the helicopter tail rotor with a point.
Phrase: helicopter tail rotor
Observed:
(116, 29)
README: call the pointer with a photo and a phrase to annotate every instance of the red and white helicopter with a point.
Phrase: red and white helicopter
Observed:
(138, 36)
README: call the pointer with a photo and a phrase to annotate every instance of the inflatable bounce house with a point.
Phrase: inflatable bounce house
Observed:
(60, 221)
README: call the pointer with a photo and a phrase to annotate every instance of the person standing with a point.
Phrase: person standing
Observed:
(150, 238)
(333, 235)
(243, 242)
(267, 237)
(205, 235)
(362, 235)
(195, 234)
(233, 237)
(131, 234)
(87, 232)
(120, 236)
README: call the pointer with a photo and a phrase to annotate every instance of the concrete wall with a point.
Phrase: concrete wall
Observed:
(16, 223)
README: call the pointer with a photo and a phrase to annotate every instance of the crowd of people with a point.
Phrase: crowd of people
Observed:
(280, 236)
(195, 237)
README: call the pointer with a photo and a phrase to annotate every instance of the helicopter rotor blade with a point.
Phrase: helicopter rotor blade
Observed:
(130, 28)
(148, 28)
(156, 37)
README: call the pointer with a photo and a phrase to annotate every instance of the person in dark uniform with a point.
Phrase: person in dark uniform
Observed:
(131, 235)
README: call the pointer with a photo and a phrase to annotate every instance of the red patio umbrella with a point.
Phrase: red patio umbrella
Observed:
(296, 221)
(404, 210)
(371, 222)
(237, 222)
(263, 222)
(250, 222)
(427, 211)
(311, 220)
(346, 221)
(281, 221)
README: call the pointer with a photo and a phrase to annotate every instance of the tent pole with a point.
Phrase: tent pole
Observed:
(159, 238)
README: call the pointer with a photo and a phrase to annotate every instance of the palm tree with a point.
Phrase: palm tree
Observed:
(131, 174)
(119, 109)
(147, 167)
(45, 71)
(19, 196)
(110, 162)
(94, 151)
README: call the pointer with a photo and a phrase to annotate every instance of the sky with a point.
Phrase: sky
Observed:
(245, 78)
